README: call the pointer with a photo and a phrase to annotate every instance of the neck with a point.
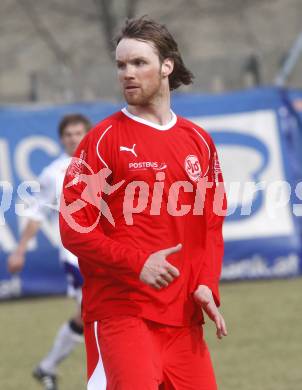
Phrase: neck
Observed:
(157, 111)
(69, 153)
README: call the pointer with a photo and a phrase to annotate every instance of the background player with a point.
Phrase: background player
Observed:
(72, 129)
(143, 311)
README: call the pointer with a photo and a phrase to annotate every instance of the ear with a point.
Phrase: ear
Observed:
(167, 67)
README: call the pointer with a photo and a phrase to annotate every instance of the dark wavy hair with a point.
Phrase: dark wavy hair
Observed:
(73, 119)
(146, 29)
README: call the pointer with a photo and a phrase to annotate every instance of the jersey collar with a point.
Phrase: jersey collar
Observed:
(149, 123)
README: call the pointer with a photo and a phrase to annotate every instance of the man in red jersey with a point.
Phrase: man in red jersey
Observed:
(138, 210)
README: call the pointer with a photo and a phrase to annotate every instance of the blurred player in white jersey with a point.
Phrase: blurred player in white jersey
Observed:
(72, 129)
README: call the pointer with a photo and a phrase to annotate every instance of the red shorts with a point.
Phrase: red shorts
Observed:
(138, 354)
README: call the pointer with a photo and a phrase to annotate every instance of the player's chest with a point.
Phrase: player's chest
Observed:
(140, 156)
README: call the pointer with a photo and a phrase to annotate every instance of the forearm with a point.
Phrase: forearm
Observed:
(95, 247)
(30, 231)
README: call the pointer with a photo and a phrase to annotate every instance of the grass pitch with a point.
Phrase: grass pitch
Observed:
(263, 350)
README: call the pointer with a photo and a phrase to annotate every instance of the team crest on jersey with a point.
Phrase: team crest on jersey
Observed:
(192, 167)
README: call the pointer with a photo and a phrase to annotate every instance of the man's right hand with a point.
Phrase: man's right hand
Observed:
(15, 262)
(157, 272)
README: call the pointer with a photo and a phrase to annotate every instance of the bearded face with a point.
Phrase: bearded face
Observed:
(139, 71)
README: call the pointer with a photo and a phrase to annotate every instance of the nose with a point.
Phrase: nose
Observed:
(75, 139)
(129, 72)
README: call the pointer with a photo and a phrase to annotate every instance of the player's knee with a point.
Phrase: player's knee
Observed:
(76, 327)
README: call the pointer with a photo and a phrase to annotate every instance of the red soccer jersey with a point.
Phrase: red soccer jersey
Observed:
(152, 204)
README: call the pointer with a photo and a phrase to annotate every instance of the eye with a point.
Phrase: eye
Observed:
(139, 62)
(120, 65)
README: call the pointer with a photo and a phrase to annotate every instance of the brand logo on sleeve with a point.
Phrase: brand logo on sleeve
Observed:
(216, 168)
(77, 165)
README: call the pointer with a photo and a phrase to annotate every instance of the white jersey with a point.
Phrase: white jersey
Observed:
(51, 183)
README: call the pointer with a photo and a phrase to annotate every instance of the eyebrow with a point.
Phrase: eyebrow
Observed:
(132, 59)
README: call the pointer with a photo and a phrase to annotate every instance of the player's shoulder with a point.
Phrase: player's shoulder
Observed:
(198, 130)
(107, 125)
(100, 136)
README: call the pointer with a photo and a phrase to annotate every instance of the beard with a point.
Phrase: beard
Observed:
(138, 99)
(143, 97)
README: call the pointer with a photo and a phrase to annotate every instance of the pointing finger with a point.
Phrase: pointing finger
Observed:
(170, 251)
(223, 327)
(220, 326)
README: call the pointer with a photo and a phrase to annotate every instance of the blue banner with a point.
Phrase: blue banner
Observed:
(258, 134)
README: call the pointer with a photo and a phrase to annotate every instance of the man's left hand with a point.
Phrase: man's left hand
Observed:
(204, 297)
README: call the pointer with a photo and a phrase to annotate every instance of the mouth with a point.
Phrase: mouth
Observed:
(131, 87)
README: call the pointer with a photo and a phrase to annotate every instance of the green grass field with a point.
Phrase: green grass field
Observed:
(263, 350)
